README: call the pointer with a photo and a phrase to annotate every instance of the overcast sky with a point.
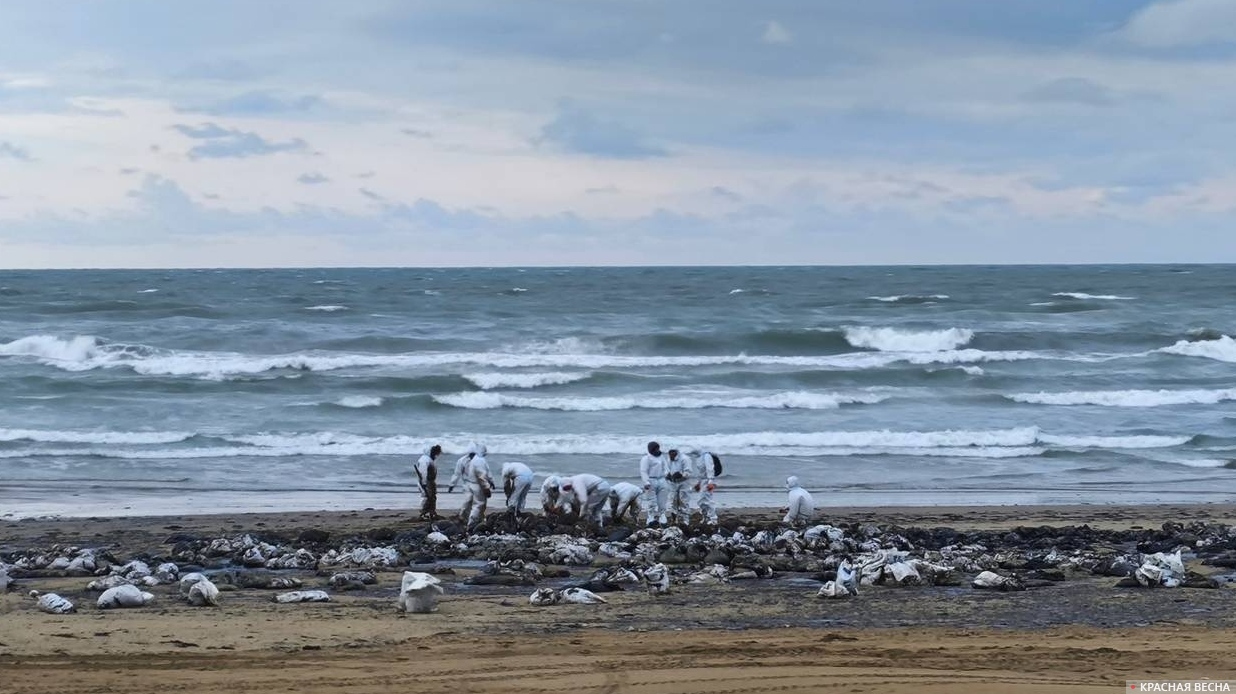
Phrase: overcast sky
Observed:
(560, 132)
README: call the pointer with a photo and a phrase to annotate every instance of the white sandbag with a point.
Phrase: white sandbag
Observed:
(303, 596)
(52, 603)
(123, 596)
(187, 581)
(418, 593)
(202, 593)
(581, 596)
(903, 573)
(992, 580)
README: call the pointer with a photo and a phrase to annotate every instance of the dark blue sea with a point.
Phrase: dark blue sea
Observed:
(131, 392)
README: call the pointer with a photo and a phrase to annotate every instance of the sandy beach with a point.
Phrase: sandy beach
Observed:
(1078, 635)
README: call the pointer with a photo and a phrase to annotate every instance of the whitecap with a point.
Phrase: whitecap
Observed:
(1093, 297)
(328, 308)
(147, 291)
(1127, 398)
(909, 298)
(359, 401)
(490, 381)
(99, 437)
(897, 340)
(1222, 349)
(660, 401)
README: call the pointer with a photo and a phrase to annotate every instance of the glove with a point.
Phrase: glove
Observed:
(450, 489)
(697, 486)
(711, 487)
(647, 487)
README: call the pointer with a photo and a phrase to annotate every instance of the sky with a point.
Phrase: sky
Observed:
(263, 133)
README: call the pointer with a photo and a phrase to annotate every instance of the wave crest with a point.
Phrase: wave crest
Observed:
(896, 340)
(1127, 398)
(490, 381)
(1222, 349)
(788, 400)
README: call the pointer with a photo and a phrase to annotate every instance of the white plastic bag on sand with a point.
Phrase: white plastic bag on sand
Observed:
(992, 580)
(903, 573)
(581, 596)
(1160, 569)
(419, 592)
(202, 593)
(845, 585)
(52, 603)
(303, 596)
(123, 596)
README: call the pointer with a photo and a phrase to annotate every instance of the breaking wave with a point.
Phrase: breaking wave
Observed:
(999, 443)
(895, 340)
(490, 381)
(1127, 398)
(1222, 349)
(661, 401)
(1082, 296)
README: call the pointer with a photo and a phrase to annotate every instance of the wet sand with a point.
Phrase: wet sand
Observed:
(754, 636)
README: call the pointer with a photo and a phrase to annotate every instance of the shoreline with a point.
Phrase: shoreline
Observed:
(1081, 634)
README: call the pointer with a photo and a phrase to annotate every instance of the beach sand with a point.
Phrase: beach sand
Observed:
(1082, 635)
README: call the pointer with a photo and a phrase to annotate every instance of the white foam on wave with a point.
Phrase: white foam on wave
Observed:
(909, 297)
(799, 400)
(99, 437)
(1000, 443)
(359, 401)
(1127, 398)
(147, 291)
(79, 348)
(1093, 297)
(328, 308)
(897, 340)
(1222, 349)
(83, 353)
(490, 381)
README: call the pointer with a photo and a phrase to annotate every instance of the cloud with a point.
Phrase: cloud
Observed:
(774, 32)
(417, 133)
(222, 70)
(259, 103)
(312, 178)
(1072, 90)
(1177, 23)
(575, 129)
(220, 142)
(11, 151)
(725, 194)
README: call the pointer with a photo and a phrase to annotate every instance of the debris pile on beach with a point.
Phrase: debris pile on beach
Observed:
(845, 559)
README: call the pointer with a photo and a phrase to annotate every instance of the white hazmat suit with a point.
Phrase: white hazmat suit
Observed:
(678, 485)
(550, 494)
(802, 507)
(624, 497)
(587, 494)
(656, 491)
(516, 482)
(473, 471)
(703, 471)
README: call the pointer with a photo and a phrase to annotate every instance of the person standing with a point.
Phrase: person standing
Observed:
(516, 482)
(652, 473)
(479, 482)
(704, 468)
(460, 475)
(427, 477)
(678, 475)
(586, 494)
(802, 507)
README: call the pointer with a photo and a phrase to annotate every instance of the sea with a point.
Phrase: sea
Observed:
(138, 392)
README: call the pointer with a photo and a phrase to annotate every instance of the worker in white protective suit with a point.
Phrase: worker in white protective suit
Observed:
(802, 507)
(478, 484)
(678, 483)
(427, 479)
(516, 482)
(704, 470)
(624, 497)
(656, 489)
(550, 495)
(586, 494)
(460, 475)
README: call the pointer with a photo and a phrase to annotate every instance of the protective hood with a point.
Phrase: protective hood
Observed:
(428, 450)
(654, 448)
(553, 480)
(481, 450)
(791, 482)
